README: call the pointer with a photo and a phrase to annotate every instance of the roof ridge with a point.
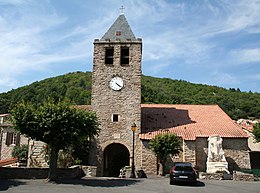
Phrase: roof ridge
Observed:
(119, 30)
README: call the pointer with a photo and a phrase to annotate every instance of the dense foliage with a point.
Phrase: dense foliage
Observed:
(21, 152)
(163, 145)
(256, 132)
(76, 89)
(235, 103)
(57, 124)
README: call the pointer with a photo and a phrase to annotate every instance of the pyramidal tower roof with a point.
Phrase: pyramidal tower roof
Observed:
(120, 30)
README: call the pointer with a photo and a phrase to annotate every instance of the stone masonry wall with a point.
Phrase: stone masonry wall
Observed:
(189, 153)
(201, 153)
(37, 152)
(235, 150)
(236, 153)
(126, 102)
(6, 150)
(149, 160)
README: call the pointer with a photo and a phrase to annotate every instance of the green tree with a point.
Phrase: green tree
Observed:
(76, 88)
(256, 132)
(163, 145)
(57, 124)
(21, 152)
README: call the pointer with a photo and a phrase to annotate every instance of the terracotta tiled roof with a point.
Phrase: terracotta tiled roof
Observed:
(8, 161)
(247, 127)
(188, 121)
(247, 124)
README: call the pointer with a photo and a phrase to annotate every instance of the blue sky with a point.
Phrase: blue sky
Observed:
(214, 42)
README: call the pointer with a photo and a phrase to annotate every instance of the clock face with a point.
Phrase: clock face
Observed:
(116, 83)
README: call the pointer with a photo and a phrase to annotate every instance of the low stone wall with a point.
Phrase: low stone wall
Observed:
(90, 171)
(239, 176)
(40, 173)
(211, 176)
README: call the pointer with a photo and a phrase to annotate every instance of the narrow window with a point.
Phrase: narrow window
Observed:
(109, 56)
(124, 55)
(10, 138)
(115, 117)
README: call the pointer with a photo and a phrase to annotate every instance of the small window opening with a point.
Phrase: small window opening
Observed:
(109, 56)
(118, 33)
(115, 118)
(124, 55)
(12, 138)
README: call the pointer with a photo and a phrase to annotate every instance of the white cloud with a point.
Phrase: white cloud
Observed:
(244, 15)
(228, 17)
(174, 45)
(7, 81)
(246, 55)
(26, 40)
(14, 2)
(36, 37)
(223, 78)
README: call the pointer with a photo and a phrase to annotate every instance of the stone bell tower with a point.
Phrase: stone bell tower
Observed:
(116, 98)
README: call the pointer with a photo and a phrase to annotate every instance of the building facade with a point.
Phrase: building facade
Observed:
(116, 97)
(9, 138)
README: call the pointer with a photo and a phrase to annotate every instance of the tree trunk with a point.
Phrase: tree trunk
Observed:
(160, 172)
(161, 167)
(53, 164)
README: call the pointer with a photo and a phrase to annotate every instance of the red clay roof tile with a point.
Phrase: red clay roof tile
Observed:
(8, 161)
(187, 121)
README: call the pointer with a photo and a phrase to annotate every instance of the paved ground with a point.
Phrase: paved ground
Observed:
(112, 185)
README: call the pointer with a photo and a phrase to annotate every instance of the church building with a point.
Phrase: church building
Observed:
(116, 99)
(127, 126)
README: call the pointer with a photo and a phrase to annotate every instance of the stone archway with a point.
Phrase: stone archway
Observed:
(116, 156)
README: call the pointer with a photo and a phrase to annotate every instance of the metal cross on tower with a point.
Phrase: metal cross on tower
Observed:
(122, 9)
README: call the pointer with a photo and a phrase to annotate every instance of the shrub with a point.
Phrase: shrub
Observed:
(21, 152)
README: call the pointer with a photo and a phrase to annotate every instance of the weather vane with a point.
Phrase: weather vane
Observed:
(122, 9)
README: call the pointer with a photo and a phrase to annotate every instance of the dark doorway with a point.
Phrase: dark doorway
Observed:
(255, 159)
(116, 156)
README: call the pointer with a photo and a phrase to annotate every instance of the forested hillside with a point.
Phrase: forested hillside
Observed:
(235, 103)
(73, 87)
(76, 89)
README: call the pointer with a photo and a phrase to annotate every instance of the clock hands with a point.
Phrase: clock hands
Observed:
(118, 85)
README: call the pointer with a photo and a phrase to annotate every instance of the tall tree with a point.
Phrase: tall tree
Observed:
(57, 124)
(256, 132)
(163, 145)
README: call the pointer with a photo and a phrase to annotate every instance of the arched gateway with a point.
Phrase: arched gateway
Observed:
(116, 156)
